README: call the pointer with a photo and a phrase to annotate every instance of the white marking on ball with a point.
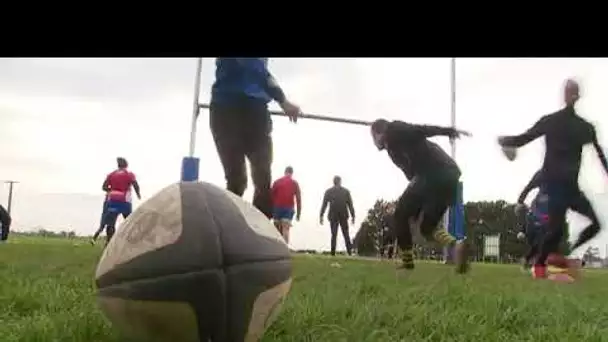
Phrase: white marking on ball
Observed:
(258, 222)
(154, 224)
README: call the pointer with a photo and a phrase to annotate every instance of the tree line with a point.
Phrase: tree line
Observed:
(482, 218)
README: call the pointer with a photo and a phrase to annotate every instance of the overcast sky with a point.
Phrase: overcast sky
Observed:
(63, 122)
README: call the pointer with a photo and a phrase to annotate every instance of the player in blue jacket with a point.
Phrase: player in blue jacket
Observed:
(241, 125)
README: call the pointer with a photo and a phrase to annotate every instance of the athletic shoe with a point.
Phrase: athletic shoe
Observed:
(539, 272)
(461, 256)
(92, 241)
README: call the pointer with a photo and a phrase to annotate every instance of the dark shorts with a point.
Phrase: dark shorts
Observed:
(432, 195)
(113, 209)
(283, 214)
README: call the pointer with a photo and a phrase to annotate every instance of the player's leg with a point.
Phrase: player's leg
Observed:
(123, 209)
(343, 221)
(226, 129)
(533, 239)
(285, 222)
(110, 219)
(127, 209)
(581, 205)
(558, 202)
(438, 195)
(406, 212)
(286, 228)
(333, 226)
(101, 222)
(258, 149)
(276, 219)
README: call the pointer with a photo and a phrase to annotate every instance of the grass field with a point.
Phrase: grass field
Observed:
(47, 294)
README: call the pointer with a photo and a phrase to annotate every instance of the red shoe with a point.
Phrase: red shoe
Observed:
(539, 272)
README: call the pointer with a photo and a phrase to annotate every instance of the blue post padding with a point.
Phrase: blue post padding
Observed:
(456, 219)
(190, 169)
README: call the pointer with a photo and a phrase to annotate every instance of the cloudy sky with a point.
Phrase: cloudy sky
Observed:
(63, 121)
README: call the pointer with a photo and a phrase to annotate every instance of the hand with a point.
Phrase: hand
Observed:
(321, 220)
(352, 220)
(291, 110)
(521, 235)
(298, 217)
(458, 132)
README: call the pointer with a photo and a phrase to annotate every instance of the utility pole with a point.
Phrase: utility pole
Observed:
(10, 194)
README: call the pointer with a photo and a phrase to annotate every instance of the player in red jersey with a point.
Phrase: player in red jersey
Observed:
(118, 188)
(284, 191)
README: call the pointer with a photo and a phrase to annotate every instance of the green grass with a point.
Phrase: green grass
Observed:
(47, 294)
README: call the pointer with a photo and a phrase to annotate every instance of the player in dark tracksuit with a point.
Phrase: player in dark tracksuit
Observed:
(433, 177)
(241, 125)
(534, 219)
(340, 204)
(565, 135)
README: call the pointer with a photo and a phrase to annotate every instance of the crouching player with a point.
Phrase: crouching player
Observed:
(433, 177)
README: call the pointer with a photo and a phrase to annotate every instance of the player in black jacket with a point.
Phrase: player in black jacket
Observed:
(433, 177)
(565, 135)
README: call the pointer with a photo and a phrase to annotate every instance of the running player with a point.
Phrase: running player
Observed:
(284, 191)
(565, 135)
(118, 186)
(433, 177)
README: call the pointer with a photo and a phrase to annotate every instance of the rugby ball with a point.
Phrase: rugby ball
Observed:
(194, 263)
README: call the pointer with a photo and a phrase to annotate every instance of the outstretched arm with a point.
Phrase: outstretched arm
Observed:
(534, 183)
(539, 129)
(427, 131)
(600, 152)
